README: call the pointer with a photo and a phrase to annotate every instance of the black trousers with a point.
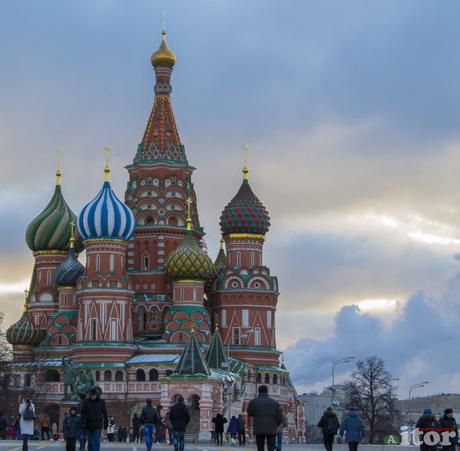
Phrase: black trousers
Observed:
(328, 440)
(260, 440)
(242, 438)
(353, 446)
(219, 438)
(449, 448)
(70, 444)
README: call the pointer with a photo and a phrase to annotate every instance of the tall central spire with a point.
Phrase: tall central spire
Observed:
(161, 141)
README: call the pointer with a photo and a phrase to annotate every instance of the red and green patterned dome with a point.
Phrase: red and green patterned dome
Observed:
(24, 332)
(245, 213)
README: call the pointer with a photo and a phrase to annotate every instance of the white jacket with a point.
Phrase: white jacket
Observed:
(27, 426)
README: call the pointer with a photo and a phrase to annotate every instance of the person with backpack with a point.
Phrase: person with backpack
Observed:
(448, 423)
(26, 422)
(329, 425)
(219, 420)
(353, 427)
(71, 429)
(149, 417)
(180, 417)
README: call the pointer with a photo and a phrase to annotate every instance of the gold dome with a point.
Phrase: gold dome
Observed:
(164, 56)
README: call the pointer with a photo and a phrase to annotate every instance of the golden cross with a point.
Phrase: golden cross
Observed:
(58, 158)
(106, 169)
(72, 228)
(245, 167)
(163, 15)
(189, 203)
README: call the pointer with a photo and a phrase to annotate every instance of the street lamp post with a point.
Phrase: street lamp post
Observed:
(334, 364)
(414, 386)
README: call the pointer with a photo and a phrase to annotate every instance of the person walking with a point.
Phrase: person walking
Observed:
(232, 430)
(241, 430)
(94, 419)
(2, 427)
(136, 422)
(26, 422)
(279, 433)
(45, 427)
(448, 423)
(329, 424)
(219, 420)
(354, 429)
(426, 423)
(149, 418)
(111, 429)
(168, 425)
(71, 429)
(180, 417)
(267, 416)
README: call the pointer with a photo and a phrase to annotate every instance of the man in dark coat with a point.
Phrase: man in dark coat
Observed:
(329, 425)
(149, 418)
(136, 426)
(241, 430)
(449, 423)
(267, 416)
(219, 420)
(180, 417)
(94, 419)
(71, 428)
(426, 423)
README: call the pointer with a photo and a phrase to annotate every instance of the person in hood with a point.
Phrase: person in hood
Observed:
(71, 428)
(241, 430)
(354, 429)
(94, 419)
(26, 422)
(232, 429)
(448, 423)
(329, 425)
(267, 416)
(426, 423)
(149, 417)
(180, 417)
(219, 420)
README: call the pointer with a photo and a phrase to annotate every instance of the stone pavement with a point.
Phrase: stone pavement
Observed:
(7, 445)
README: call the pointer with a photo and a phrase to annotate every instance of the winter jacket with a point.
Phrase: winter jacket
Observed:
(179, 416)
(27, 426)
(353, 427)
(241, 424)
(94, 414)
(267, 414)
(233, 426)
(149, 414)
(219, 420)
(449, 424)
(282, 425)
(136, 423)
(71, 426)
(329, 423)
(426, 423)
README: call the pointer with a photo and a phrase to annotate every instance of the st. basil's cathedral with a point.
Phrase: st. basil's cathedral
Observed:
(150, 315)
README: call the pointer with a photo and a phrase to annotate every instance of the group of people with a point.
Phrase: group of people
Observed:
(446, 424)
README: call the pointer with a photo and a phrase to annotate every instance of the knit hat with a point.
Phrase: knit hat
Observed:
(427, 411)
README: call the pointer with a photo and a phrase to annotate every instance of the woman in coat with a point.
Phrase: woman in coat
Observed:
(353, 427)
(232, 429)
(27, 417)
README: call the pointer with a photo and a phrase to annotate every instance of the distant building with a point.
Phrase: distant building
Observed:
(411, 409)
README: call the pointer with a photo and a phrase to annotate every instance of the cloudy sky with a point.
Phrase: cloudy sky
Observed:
(351, 113)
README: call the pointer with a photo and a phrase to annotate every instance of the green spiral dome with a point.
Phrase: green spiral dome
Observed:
(188, 261)
(50, 230)
(24, 332)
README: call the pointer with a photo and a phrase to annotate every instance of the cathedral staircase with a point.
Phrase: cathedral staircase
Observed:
(193, 428)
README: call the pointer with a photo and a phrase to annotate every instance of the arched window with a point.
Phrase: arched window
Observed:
(267, 378)
(119, 376)
(259, 378)
(52, 376)
(98, 376)
(107, 376)
(153, 375)
(140, 375)
(275, 379)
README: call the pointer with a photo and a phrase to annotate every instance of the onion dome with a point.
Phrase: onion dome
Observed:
(24, 332)
(50, 230)
(68, 272)
(245, 213)
(188, 260)
(221, 261)
(164, 56)
(106, 216)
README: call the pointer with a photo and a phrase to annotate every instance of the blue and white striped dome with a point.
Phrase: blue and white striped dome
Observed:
(106, 216)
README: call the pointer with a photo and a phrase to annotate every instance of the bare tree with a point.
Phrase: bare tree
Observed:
(370, 391)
